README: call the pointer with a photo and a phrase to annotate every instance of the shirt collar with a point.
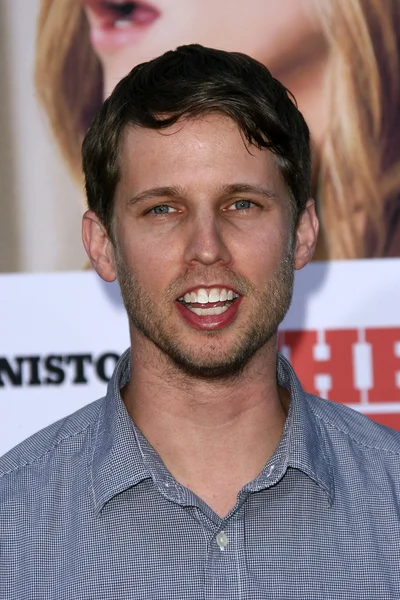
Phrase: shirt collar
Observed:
(307, 449)
(117, 461)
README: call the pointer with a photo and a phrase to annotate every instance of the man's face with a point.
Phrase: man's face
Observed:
(203, 244)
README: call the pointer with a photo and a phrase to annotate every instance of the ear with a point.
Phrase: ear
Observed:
(306, 235)
(98, 246)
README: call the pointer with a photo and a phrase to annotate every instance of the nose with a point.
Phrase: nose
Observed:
(206, 244)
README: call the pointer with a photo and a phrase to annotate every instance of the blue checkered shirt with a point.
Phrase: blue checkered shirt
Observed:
(89, 511)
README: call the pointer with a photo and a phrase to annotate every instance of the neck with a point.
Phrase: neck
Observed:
(210, 434)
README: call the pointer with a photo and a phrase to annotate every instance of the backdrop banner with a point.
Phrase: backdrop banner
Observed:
(62, 334)
(63, 328)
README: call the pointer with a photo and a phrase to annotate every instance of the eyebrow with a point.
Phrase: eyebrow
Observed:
(225, 190)
(247, 188)
(158, 192)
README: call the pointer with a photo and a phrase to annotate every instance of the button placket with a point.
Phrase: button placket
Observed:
(224, 577)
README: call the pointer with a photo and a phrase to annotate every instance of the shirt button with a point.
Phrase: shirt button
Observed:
(222, 540)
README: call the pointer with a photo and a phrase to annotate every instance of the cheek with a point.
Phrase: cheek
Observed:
(260, 251)
(153, 264)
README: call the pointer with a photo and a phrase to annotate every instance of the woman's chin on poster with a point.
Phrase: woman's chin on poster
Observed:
(340, 59)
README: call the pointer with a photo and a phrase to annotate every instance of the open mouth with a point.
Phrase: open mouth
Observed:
(115, 22)
(209, 302)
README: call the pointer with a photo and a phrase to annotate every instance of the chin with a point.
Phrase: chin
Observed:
(210, 370)
(208, 364)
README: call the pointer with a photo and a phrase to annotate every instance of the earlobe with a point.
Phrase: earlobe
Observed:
(98, 246)
(306, 235)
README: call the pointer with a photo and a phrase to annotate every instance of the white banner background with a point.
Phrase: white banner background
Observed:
(69, 314)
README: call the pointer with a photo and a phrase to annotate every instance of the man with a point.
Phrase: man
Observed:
(206, 472)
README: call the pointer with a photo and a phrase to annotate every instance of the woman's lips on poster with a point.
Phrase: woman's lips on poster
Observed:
(114, 23)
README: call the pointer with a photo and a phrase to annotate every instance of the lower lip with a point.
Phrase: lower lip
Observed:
(209, 322)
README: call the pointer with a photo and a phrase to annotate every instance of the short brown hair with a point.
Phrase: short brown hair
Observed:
(188, 82)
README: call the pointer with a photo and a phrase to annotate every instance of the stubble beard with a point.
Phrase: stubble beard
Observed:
(272, 304)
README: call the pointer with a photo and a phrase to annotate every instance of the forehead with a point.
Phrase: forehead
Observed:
(204, 151)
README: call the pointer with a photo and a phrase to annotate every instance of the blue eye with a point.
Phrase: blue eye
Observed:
(162, 209)
(241, 205)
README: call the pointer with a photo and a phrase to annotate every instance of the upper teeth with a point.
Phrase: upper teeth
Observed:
(122, 23)
(202, 296)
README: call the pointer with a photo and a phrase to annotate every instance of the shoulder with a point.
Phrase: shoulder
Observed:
(354, 428)
(62, 436)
